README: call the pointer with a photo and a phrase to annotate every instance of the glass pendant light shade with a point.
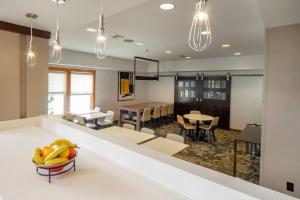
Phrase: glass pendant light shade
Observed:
(30, 56)
(200, 33)
(101, 39)
(56, 54)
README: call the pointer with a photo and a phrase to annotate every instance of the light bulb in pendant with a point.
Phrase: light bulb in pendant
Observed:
(30, 58)
(56, 54)
(200, 34)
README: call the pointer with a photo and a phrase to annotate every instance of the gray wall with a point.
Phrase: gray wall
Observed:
(281, 148)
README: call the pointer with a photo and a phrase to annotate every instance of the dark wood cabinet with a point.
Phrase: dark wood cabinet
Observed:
(210, 95)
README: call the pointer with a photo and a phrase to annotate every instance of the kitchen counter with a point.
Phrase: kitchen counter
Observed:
(95, 177)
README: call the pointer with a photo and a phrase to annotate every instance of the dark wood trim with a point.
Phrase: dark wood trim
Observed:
(146, 78)
(6, 26)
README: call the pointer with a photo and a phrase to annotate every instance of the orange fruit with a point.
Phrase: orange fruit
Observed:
(72, 153)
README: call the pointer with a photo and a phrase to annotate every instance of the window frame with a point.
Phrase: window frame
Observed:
(68, 93)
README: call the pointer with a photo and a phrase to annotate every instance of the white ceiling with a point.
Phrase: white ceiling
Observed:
(237, 22)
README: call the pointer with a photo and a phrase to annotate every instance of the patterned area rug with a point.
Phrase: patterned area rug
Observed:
(219, 155)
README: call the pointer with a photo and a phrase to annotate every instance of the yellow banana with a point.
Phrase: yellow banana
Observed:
(60, 142)
(63, 142)
(56, 152)
(36, 157)
(56, 161)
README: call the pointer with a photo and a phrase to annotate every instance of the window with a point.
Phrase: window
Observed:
(81, 92)
(57, 93)
(70, 90)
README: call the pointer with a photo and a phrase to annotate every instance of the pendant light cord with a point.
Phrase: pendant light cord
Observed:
(101, 6)
(57, 16)
(30, 43)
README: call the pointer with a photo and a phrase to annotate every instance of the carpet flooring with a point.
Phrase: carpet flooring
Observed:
(219, 155)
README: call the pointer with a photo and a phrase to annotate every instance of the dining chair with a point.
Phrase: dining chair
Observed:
(97, 109)
(129, 126)
(186, 127)
(148, 131)
(156, 116)
(210, 129)
(164, 114)
(171, 112)
(109, 119)
(194, 112)
(176, 138)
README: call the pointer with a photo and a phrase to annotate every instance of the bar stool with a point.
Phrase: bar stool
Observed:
(156, 116)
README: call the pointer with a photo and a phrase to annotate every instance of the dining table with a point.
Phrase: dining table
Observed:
(198, 118)
(250, 135)
(136, 110)
(127, 135)
(165, 146)
(93, 117)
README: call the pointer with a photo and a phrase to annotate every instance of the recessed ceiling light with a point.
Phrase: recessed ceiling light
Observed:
(237, 54)
(139, 43)
(168, 52)
(167, 6)
(188, 57)
(59, 1)
(226, 45)
(205, 32)
(92, 30)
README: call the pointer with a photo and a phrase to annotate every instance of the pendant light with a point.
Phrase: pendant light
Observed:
(31, 57)
(101, 39)
(200, 34)
(56, 54)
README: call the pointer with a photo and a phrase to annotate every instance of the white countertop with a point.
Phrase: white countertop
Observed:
(95, 178)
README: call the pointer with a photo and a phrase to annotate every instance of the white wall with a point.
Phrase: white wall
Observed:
(162, 90)
(255, 62)
(246, 101)
(107, 91)
(281, 160)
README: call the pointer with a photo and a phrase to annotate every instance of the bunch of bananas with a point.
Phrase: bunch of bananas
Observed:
(59, 151)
